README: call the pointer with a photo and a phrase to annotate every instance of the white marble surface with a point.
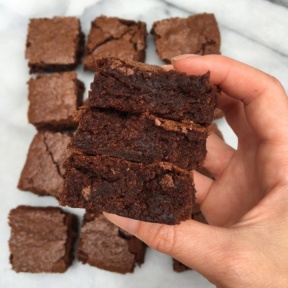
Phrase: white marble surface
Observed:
(254, 32)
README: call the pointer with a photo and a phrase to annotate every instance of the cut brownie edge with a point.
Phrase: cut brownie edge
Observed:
(139, 138)
(96, 182)
(136, 87)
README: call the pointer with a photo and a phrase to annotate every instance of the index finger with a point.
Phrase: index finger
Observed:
(264, 98)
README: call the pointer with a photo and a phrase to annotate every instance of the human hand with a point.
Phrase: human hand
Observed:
(246, 243)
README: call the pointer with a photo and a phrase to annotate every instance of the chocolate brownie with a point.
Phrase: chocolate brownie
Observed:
(104, 245)
(54, 44)
(43, 171)
(115, 37)
(197, 34)
(42, 239)
(54, 99)
(157, 192)
(138, 88)
(179, 267)
(140, 138)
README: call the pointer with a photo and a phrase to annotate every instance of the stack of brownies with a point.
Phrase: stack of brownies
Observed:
(139, 136)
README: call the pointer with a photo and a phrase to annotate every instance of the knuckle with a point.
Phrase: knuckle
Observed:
(162, 238)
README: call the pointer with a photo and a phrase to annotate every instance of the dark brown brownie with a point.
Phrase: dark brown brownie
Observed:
(54, 44)
(157, 192)
(104, 245)
(43, 171)
(42, 239)
(115, 37)
(179, 267)
(54, 99)
(140, 138)
(138, 88)
(197, 34)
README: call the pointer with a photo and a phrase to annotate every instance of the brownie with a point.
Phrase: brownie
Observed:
(54, 99)
(140, 138)
(157, 192)
(104, 245)
(42, 239)
(197, 34)
(136, 87)
(43, 171)
(54, 44)
(115, 37)
(179, 267)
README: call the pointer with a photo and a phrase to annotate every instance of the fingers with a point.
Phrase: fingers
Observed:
(264, 98)
(190, 242)
(219, 154)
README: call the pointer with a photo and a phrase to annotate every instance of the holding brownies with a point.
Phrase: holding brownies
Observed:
(135, 137)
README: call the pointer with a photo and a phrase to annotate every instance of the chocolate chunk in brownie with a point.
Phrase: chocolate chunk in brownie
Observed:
(54, 44)
(115, 37)
(140, 138)
(42, 239)
(157, 192)
(197, 34)
(104, 245)
(138, 88)
(43, 171)
(54, 99)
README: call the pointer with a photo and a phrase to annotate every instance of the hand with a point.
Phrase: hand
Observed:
(246, 243)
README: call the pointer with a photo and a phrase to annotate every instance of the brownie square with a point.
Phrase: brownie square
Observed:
(54, 99)
(104, 245)
(135, 87)
(115, 37)
(54, 44)
(43, 171)
(197, 34)
(157, 192)
(139, 138)
(42, 239)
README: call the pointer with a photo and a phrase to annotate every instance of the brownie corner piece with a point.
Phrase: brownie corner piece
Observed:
(43, 171)
(96, 182)
(115, 37)
(54, 44)
(42, 239)
(104, 245)
(196, 34)
(54, 99)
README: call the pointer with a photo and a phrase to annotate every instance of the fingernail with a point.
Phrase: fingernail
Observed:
(183, 56)
(129, 225)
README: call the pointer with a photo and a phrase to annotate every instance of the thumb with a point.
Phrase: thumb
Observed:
(199, 246)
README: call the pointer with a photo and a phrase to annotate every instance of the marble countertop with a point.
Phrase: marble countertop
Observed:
(254, 32)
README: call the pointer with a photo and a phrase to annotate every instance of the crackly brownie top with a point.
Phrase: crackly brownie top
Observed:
(101, 244)
(197, 34)
(53, 41)
(111, 36)
(43, 171)
(54, 99)
(38, 238)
